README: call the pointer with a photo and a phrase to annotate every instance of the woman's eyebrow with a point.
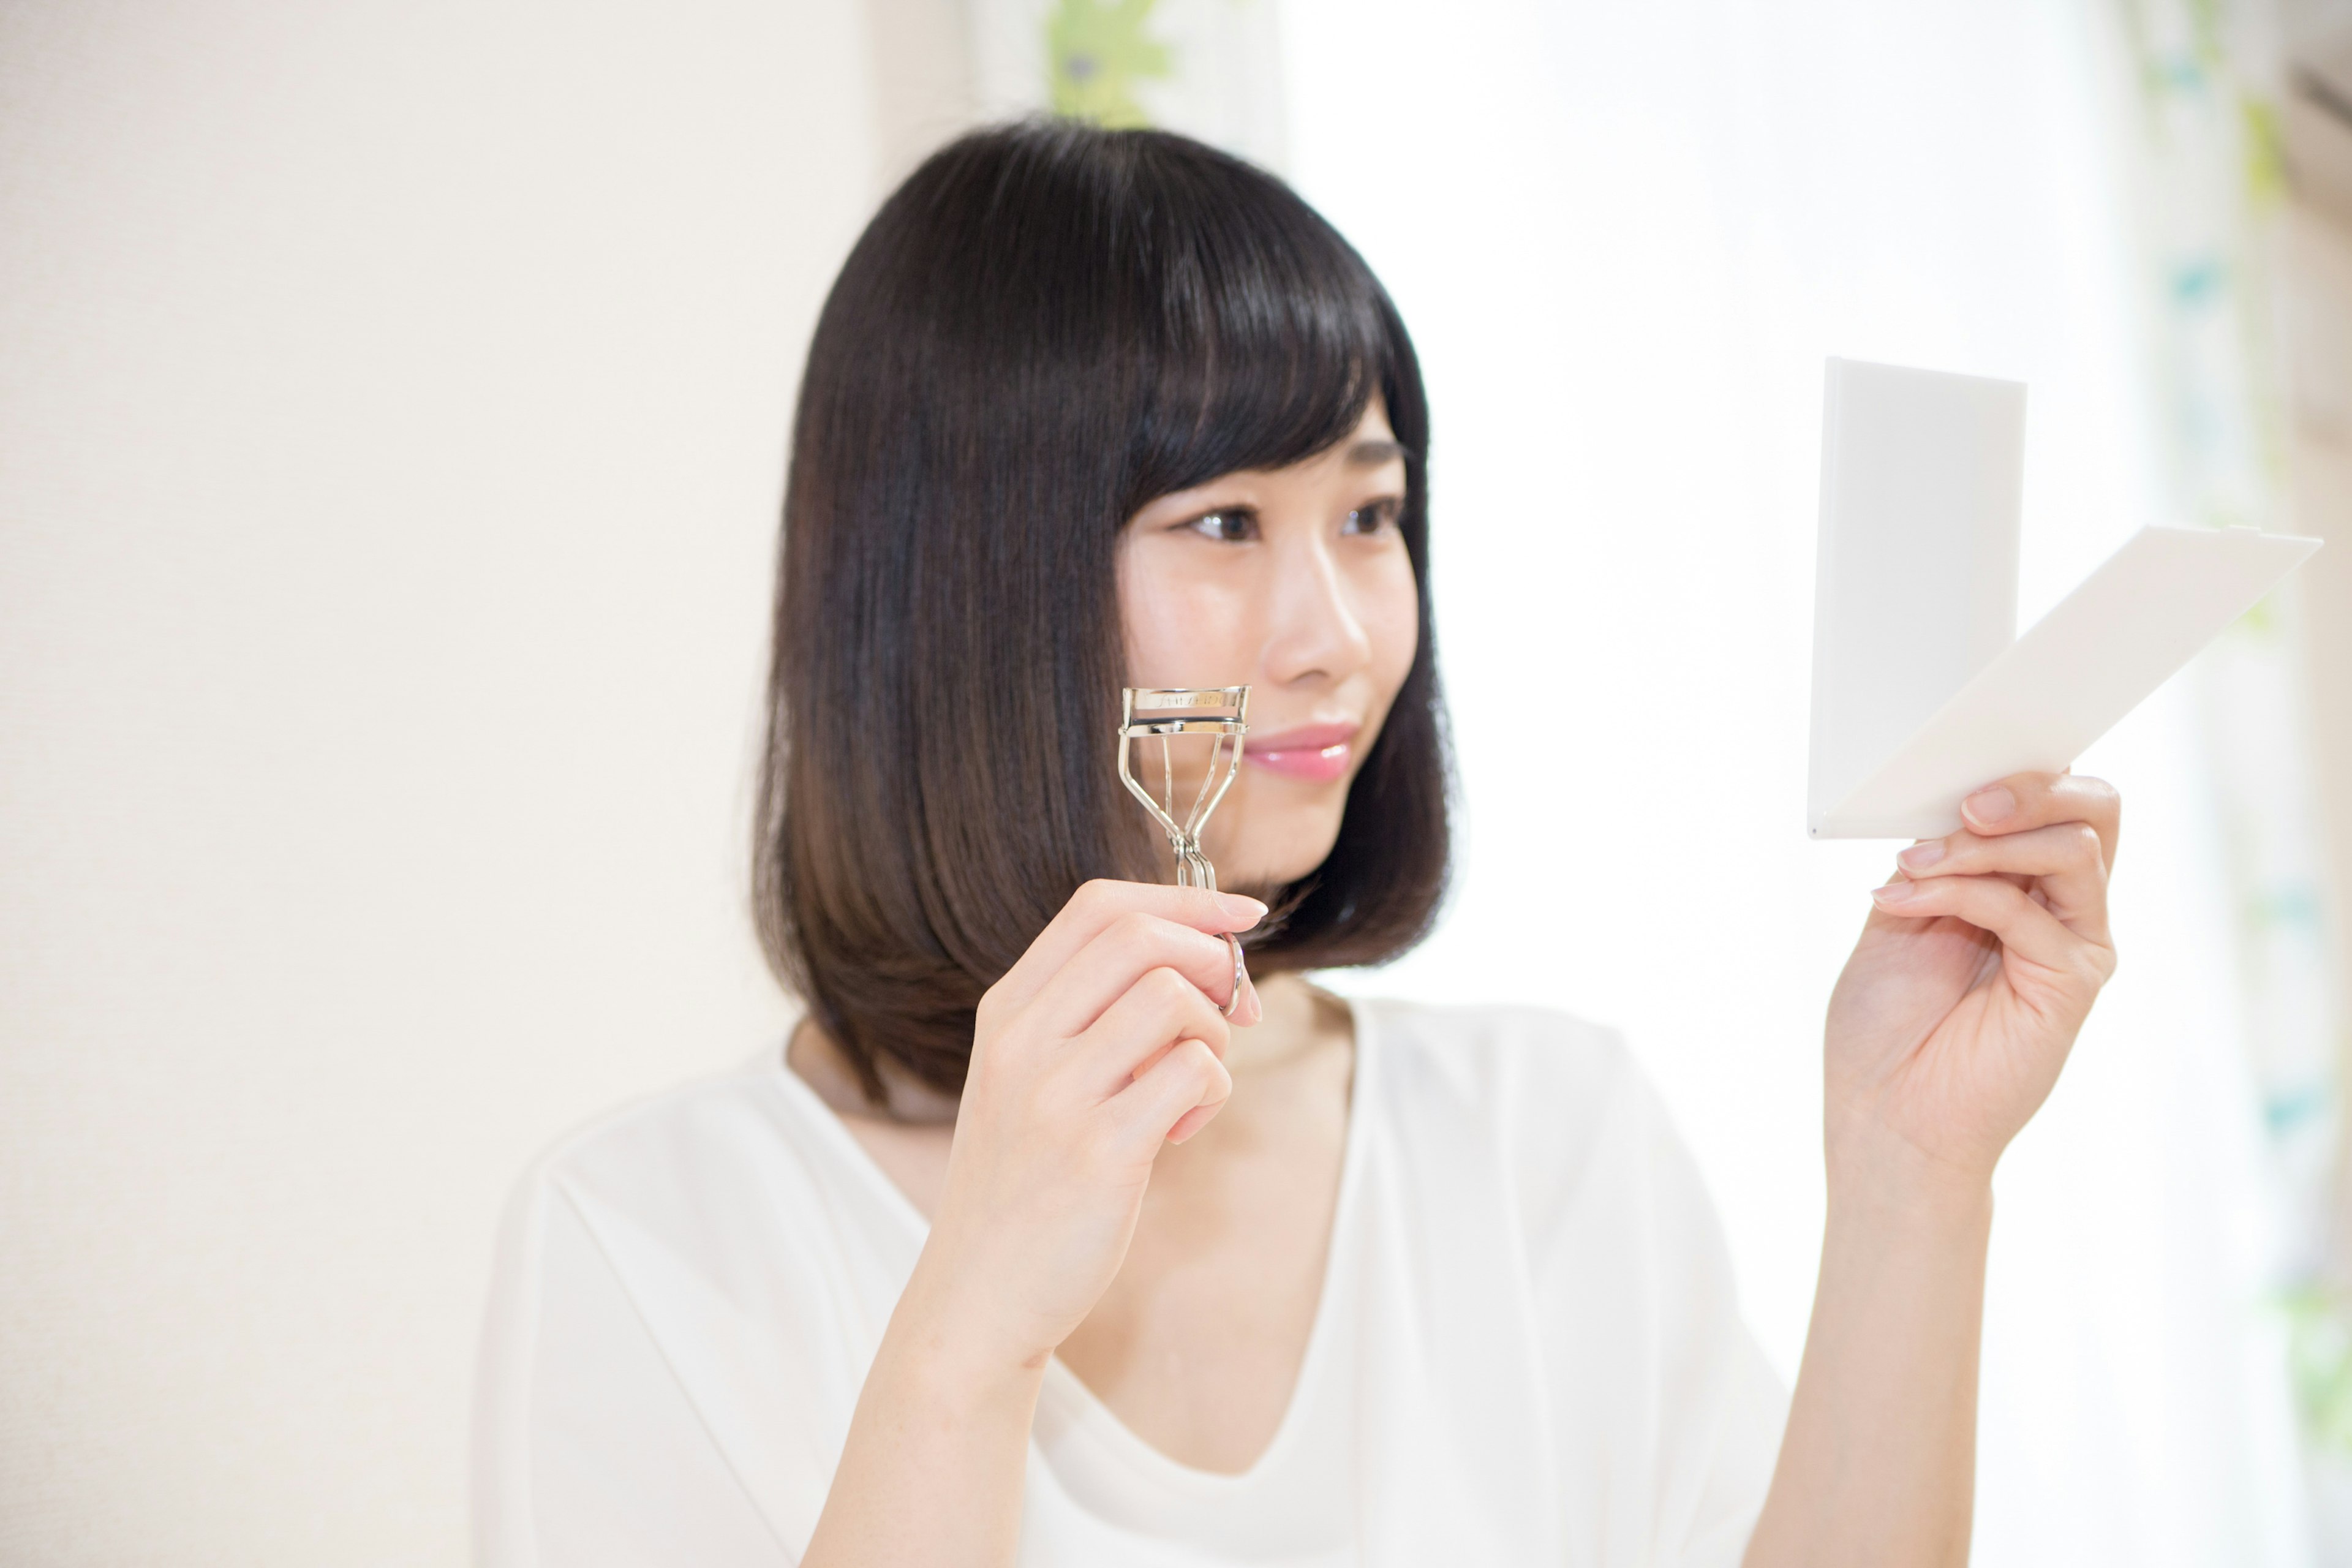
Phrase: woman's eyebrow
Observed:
(1368, 454)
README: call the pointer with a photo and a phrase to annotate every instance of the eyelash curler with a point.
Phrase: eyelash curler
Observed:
(1220, 712)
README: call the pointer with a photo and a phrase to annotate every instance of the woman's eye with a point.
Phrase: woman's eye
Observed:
(1228, 527)
(1373, 516)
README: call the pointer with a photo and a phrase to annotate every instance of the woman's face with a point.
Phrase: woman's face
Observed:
(1293, 582)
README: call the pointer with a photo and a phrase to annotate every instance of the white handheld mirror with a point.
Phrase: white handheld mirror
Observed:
(1922, 691)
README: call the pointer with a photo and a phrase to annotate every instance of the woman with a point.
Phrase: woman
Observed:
(1021, 1249)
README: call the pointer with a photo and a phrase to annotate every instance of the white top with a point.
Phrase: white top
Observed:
(1527, 1349)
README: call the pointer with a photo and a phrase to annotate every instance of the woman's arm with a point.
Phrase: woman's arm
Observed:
(1098, 1047)
(1878, 1464)
(1945, 1034)
(933, 1466)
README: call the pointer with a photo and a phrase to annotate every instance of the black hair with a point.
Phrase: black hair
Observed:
(1048, 325)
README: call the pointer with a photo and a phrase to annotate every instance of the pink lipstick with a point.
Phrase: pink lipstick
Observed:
(1314, 753)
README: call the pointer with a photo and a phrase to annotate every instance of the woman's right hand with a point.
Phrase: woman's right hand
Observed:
(1104, 1043)
(1101, 1044)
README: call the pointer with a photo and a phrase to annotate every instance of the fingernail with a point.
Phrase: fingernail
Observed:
(1921, 856)
(1990, 804)
(1241, 907)
(1894, 892)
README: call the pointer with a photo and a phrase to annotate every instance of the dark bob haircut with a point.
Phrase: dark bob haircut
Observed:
(1048, 326)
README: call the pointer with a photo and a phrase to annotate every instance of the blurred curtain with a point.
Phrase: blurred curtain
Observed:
(1210, 69)
(1625, 237)
(2201, 131)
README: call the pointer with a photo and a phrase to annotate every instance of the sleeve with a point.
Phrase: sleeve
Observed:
(587, 1452)
(1634, 1282)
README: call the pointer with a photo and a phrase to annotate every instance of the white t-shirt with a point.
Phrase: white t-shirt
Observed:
(1527, 1349)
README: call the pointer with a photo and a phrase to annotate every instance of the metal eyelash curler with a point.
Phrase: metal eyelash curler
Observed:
(1220, 712)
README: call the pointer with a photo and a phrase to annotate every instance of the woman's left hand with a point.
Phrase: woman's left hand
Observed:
(1973, 974)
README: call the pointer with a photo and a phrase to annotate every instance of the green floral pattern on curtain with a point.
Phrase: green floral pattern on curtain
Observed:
(2212, 183)
(1096, 51)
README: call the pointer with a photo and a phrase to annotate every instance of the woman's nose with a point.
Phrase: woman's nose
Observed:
(1313, 630)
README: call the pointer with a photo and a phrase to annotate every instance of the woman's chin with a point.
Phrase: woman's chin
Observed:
(1264, 875)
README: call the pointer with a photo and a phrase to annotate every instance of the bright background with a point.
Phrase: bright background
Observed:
(392, 414)
(1696, 208)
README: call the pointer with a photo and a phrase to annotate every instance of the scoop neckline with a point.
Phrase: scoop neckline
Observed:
(1119, 1438)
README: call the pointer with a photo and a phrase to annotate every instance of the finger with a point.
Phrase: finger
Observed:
(2002, 908)
(1159, 1009)
(1121, 953)
(1191, 1122)
(1096, 905)
(2065, 857)
(1188, 1079)
(2022, 801)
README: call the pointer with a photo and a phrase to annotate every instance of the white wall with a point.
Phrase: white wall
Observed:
(392, 406)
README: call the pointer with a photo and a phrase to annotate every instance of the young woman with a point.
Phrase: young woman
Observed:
(1019, 1249)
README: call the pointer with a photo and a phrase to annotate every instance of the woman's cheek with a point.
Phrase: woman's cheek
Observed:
(1393, 622)
(1180, 631)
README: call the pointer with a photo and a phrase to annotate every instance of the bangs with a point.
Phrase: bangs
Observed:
(1262, 356)
(1257, 335)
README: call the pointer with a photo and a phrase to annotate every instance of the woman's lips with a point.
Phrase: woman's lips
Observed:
(1317, 753)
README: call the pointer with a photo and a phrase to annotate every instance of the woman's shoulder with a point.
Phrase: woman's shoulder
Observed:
(726, 1189)
(707, 1111)
(1495, 1059)
(1557, 1099)
(678, 1278)
(707, 1165)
